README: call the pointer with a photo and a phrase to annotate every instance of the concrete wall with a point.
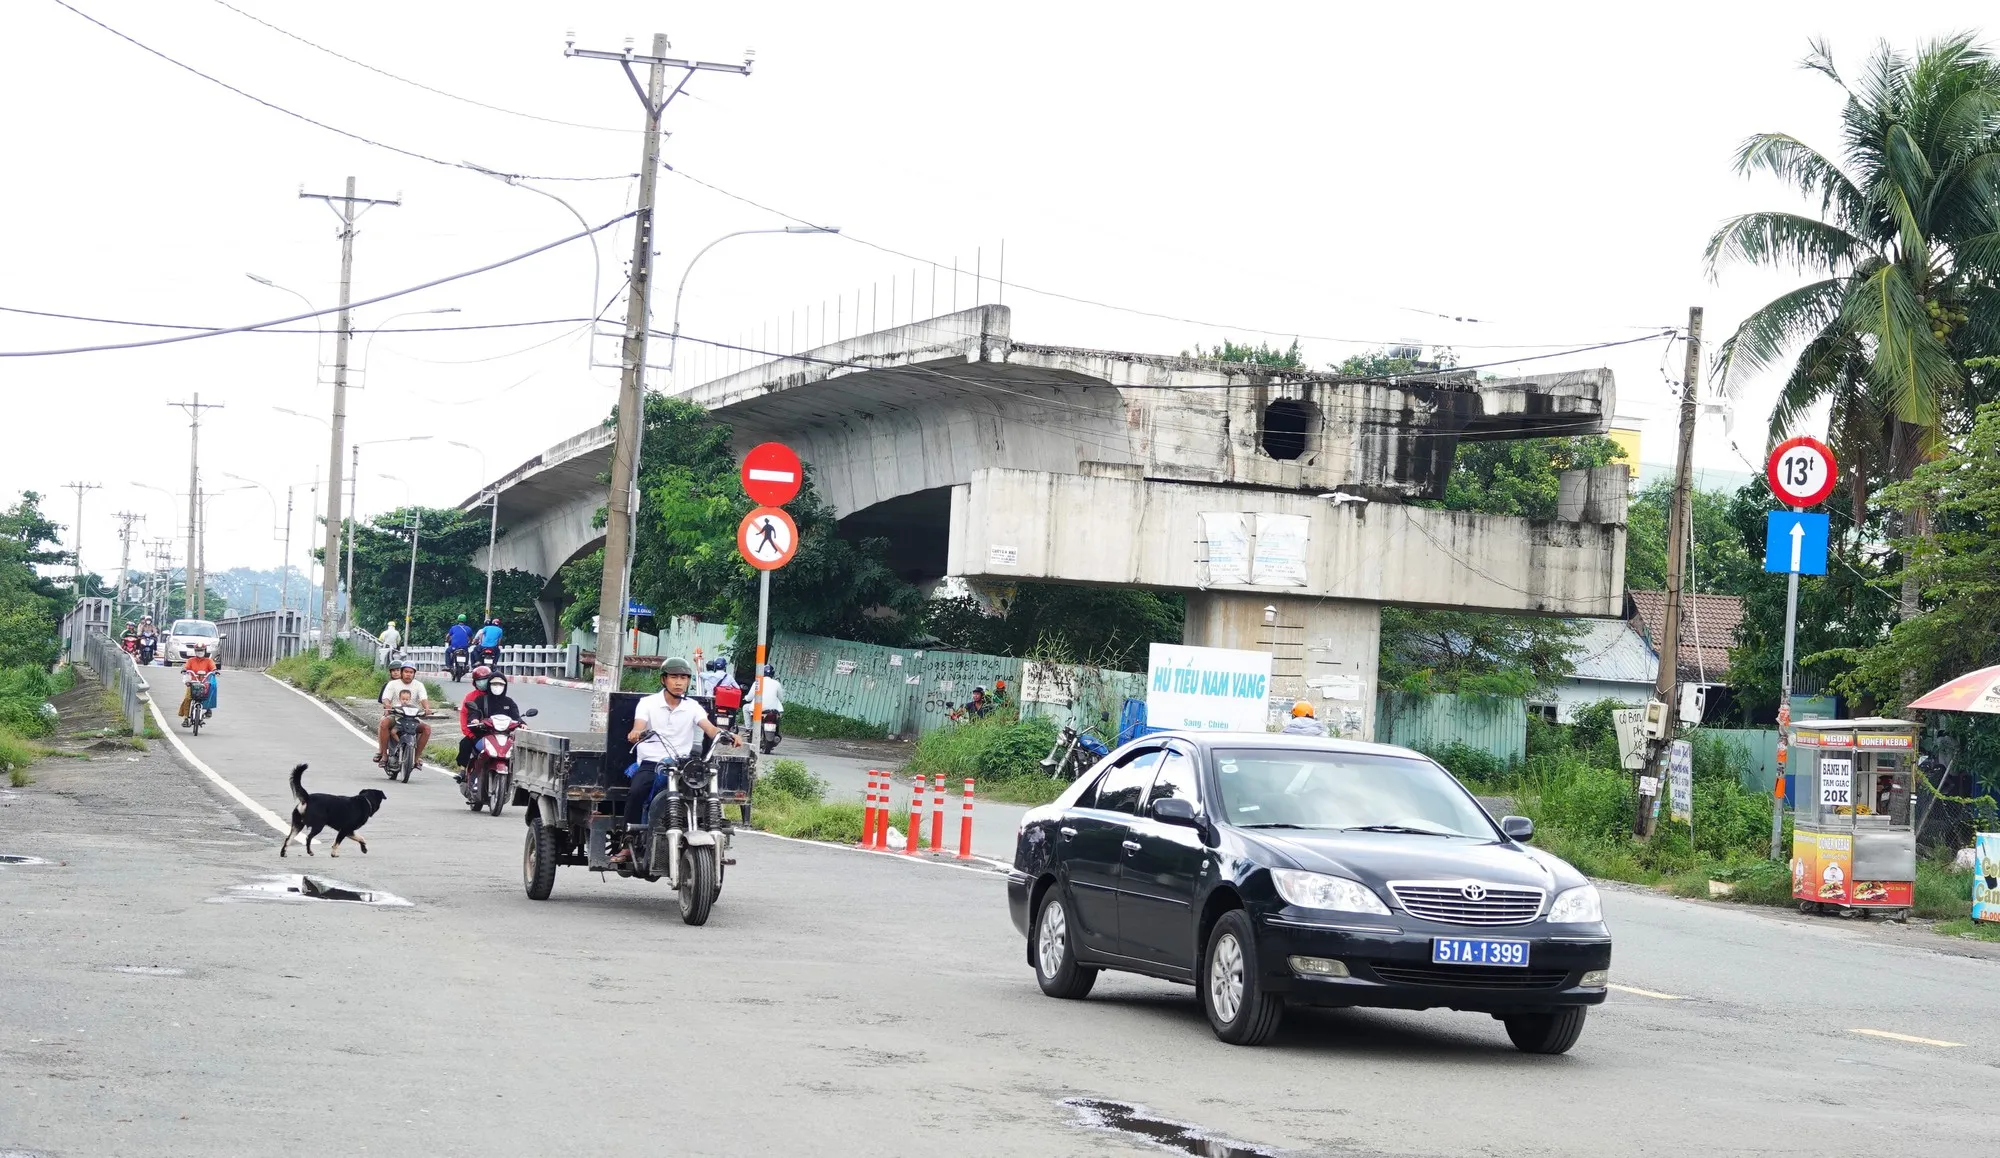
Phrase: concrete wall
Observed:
(1322, 650)
(1013, 525)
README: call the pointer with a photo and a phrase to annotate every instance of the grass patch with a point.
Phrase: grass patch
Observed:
(790, 801)
(1970, 929)
(347, 673)
(1003, 754)
(813, 724)
(23, 693)
(16, 754)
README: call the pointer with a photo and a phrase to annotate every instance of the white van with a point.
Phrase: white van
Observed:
(185, 633)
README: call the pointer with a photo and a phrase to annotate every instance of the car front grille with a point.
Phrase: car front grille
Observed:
(1447, 902)
(1468, 976)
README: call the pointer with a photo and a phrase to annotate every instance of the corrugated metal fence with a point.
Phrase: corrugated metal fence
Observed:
(261, 639)
(1495, 724)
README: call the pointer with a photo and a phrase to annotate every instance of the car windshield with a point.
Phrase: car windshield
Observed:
(1285, 788)
(200, 627)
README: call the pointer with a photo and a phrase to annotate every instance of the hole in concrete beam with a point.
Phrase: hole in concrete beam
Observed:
(1287, 422)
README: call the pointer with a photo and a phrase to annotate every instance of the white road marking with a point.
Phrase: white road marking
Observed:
(344, 722)
(1911, 1040)
(167, 730)
(1645, 993)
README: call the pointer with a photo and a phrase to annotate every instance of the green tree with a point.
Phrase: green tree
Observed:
(31, 606)
(1473, 653)
(1904, 249)
(447, 582)
(1107, 626)
(1261, 354)
(1723, 562)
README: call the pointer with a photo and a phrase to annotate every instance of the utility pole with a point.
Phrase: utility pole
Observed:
(353, 525)
(349, 209)
(410, 594)
(285, 572)
(76, 559)
(125, 521)
(197, 583)
(613, 593)
(1666, 684)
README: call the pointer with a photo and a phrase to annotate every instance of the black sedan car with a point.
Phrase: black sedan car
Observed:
(1269, 870)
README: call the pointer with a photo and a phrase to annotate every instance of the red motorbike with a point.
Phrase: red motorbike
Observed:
(489, 780)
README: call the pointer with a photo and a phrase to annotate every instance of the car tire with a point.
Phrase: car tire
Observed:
(1054, 950)
(1550, 1033)
(1232, 989)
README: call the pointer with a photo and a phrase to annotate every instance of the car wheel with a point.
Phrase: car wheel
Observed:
(1056, 968)
(1232, 988)
(1545, 1032)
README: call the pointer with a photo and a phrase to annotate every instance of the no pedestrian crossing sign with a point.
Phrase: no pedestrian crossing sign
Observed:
(1795, 541)
(772, 474)
(767, 537)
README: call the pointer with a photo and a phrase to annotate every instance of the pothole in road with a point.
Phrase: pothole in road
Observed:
(8, 858)
(301, 887)
(1133, 1121)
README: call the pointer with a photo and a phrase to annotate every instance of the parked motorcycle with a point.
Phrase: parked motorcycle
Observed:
(488, 780)
(401, 758)
(197, 712)
(456, 663)
(686, 838)
(1074, 752)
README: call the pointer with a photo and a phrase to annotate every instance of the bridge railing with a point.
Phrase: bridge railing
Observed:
(115, 669)
(519, 659)
(261, 638)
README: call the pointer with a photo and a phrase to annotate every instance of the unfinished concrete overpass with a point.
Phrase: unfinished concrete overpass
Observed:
(1276, 499)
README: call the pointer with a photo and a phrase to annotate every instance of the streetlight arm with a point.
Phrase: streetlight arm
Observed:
(674, 340)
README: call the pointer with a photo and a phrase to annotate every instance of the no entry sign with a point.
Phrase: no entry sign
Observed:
(1801, 472)
(771, 474)
(767, 537)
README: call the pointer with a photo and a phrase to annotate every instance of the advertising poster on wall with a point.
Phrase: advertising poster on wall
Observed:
(1986, 876)
(1228, 540)
(1823, 871)
(1207, 688)
(1280, 554)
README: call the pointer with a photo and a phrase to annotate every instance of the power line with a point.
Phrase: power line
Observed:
(255, 19)
(320, 313)
(1073, 298)
(273, 330)
(301, 116)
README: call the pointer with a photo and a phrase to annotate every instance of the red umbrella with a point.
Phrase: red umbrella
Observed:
(1977, 691)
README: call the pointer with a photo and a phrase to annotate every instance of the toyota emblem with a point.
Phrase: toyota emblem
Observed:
(1473, 892)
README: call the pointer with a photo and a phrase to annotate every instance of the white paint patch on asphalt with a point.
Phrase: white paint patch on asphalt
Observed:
(1908, 1038)
(1637, 992)
(277, 824)
(149, 970)
(298, 887)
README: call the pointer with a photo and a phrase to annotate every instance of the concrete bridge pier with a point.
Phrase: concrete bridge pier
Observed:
(1325, 651)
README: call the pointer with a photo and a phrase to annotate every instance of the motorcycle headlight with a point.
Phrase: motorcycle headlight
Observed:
(1577, 906)
(1320, 891)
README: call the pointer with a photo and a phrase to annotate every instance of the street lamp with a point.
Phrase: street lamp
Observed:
(354, 497)
(319, 330)
(285, 566)
(674, 340)
(368, 342)
(492, 524)
(416, 528)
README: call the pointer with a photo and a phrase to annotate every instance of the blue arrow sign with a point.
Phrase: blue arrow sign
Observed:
(1795, 541)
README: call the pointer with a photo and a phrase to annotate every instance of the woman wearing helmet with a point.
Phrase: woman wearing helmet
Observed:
(481, 675)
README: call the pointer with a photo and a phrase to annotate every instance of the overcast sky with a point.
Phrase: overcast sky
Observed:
(1340, 170)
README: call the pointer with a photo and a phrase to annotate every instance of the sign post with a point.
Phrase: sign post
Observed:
(767, 538)
(1801, 472)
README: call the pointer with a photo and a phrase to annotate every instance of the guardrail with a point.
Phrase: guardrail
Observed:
(520, 659)
(115, 670)
(262, 638)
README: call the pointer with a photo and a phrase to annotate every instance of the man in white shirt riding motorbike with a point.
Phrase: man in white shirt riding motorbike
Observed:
(404, 688)
(666, 726)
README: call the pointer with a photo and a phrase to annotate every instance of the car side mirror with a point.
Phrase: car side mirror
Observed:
(1174, 810)
(1517, 827)
(531, 712)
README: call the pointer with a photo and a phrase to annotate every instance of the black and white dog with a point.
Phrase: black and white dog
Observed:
(322, 810)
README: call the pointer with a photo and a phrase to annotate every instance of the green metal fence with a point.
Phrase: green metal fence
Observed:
(1495, 724)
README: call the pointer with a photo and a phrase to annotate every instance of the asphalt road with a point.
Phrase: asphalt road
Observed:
(837, 1003)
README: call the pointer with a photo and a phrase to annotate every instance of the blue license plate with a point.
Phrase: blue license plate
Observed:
(1478, 951)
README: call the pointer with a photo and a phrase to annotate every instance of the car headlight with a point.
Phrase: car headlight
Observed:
(1320, 891)
(1577, 906)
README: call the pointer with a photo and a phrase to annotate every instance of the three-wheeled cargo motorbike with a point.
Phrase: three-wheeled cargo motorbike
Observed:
(575, 787)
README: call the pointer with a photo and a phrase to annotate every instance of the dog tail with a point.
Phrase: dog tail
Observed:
(298, 786)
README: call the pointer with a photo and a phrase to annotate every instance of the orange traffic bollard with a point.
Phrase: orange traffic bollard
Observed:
(937, 813)
(868, 814)
(882, 812)
(965, 824)
(914, 836)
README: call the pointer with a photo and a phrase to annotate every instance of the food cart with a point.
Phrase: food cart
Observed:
(1854, 848)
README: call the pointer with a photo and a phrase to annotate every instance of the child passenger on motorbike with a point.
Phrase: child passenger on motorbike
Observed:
(666, 726)
(404, 688)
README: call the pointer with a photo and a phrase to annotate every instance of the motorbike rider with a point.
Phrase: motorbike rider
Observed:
(130, 640)
(770, 699)
(459, 637)
(489, 698)
(403, 687)
(1304, 722)
(149, 639)
(198, 663)
(666, 726)
(391, 641)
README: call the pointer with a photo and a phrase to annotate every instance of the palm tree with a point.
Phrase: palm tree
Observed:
(1905, 246)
